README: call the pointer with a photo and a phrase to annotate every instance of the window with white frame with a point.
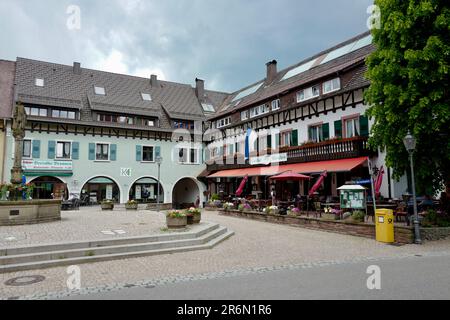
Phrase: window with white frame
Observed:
(27, 149)
(264, 109)
(316, 133)
(276, 104)
(36, 111)
(63, 150)
(331, 85)
(148, 154)
(263, 143)
(308, 93)
(223, 122)
(188, 155)
(254, 112)
(244, 115)
(102, 152)
(146, 96)
(285, 140)
(352, 128)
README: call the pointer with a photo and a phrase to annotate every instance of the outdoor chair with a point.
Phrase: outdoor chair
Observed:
(318, 210)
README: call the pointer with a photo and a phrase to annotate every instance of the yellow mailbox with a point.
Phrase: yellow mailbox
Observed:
(385, 225)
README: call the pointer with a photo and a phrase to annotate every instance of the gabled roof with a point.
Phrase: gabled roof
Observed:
(324, 64)
(64, 88)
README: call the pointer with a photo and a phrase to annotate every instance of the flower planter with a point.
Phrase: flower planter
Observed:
(107, 206)
(197, 218)
(330, 216)
(176, 223)
(190, 219)
(131, 206)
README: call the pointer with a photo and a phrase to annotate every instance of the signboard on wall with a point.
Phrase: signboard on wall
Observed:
(47, 165)
(138, 192)
(125, 172)
(269, 159)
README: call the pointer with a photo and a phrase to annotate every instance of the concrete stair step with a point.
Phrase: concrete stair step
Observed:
(86, 252)
(108, 242)
(209, 241)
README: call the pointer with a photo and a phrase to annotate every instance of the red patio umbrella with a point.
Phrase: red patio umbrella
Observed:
(319, 182)
(379, 182)
(242, 186)
(290, 176)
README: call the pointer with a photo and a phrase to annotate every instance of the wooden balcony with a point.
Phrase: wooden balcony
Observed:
(310, 152)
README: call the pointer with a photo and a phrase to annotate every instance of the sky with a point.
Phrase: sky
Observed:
(225, 42)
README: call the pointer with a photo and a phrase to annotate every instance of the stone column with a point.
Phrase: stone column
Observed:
(18, 128)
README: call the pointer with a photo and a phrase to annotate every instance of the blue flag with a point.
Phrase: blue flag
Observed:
(247, 144)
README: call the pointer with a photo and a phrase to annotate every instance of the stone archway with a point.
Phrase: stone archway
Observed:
(100, 188)
(47, 187)
(185, 193)
(145, 190)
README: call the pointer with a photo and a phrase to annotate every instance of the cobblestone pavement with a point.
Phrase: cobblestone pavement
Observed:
(87, 224)
(257, 246)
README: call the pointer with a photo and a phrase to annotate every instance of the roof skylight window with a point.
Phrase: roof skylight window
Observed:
(146, 97)
(248, 92)
(301, 68)
(39, 82)
(208, 107)
(100, 91)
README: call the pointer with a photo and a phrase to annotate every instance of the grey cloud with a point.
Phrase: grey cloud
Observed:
(224, 42)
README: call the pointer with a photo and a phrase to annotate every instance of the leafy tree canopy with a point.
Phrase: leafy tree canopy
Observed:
(409, 88)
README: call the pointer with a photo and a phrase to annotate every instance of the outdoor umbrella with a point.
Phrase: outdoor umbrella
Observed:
(379, 181)
(319, 182)
(242, 186)
(290, 176)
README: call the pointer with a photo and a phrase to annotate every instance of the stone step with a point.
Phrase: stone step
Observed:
(115, 249)
(222, 236)
(109, 242)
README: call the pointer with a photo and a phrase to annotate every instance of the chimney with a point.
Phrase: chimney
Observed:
(200, 88)
(77, 68)
(271, 71)
(154, 80)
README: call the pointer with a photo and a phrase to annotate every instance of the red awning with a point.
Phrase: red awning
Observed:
(343, 165)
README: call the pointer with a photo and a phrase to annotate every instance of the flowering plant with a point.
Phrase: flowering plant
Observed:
(228, 206)
(294, 211)
(174, 214)
(193, 211)
(271, 210)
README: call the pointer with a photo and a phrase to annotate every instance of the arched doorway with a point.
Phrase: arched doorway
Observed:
(49, 188)
(185, 193)
(145, 190)
(98, 189)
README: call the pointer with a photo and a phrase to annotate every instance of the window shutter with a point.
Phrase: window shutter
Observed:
(231, 149)
(277, 141)
(326, 131)
(157, 152)
(294, 138)
(113, 152)
(36, 149)
(138, 153)
(75, 150)
(338, 129)
(51, 149)
(92, 151)
(364, 126)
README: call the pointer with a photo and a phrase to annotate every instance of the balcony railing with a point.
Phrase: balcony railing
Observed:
(310, 152)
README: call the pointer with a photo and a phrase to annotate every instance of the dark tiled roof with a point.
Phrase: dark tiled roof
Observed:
(7, 72)
(318, 71)
(123, 93)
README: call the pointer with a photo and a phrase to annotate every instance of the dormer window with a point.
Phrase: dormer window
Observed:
(100, 91)
(146, 96)
(39, 82)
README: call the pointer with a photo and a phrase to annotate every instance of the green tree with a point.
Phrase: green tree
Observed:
(409, 88)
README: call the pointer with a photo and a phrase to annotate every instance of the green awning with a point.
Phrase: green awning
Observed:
(47, 174)
(101, 181)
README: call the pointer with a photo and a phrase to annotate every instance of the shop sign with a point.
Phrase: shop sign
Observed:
(47, 165)
(125, 172)
(269, 159)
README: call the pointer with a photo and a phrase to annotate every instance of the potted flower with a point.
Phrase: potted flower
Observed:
(228, 206)
(131, 205)
(176, 219)
(194, 215)
(294, 212)
(107, 205)
(272, 210)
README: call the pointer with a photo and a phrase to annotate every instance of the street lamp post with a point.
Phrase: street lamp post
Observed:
(410, 145)
(158, 161)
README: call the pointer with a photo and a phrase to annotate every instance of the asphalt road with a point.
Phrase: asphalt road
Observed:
(421, 277)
